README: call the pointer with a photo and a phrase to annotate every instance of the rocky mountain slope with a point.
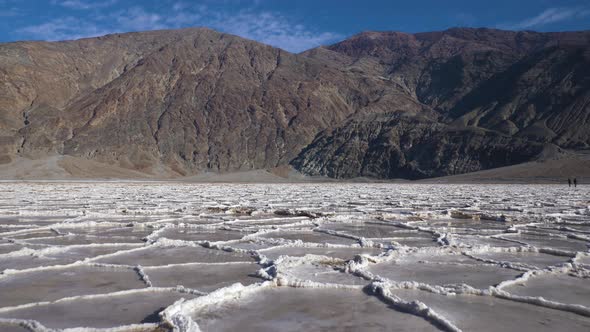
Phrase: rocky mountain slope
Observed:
(498, 96)
(385, 105)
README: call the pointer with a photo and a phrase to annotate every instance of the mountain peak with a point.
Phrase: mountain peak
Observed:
(380, 104)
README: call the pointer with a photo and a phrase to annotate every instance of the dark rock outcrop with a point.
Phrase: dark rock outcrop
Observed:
(499, 97)
(398, 146)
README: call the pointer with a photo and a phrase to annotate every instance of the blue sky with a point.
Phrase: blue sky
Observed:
(294, 25)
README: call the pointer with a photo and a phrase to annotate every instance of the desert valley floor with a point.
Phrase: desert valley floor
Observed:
(156, 256)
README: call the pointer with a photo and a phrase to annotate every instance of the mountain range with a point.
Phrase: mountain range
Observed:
(379, 104)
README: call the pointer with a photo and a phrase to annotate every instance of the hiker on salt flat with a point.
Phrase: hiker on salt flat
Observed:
(569, 182)
(575, 182)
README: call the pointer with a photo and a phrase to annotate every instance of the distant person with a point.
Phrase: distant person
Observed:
(569, 182)
(575, 182)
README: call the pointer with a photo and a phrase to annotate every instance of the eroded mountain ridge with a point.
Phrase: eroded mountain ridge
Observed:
(379, 104)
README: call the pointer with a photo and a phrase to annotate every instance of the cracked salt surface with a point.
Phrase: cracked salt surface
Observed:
(283, 257)
(165, 255)
(432, 272)
(532, 259)
(345, 253)
(5, 327)
(103, 311)
(487, 313)
(291, 310)
(200, 234)
(558, 288)
(53, 284)
(309, 236)
(204, 277)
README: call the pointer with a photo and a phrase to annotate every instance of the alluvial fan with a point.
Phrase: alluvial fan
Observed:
(165, 256)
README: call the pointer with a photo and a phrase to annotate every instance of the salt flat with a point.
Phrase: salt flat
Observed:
(163, 256)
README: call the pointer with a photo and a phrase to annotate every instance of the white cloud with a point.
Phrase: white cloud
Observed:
(8, 8)
(83, 4)
(266, 27)
(10, 12)
(549, 16)
(464, 19)
(64, 28)
(137, 19)
(273, 29)
(178, 6)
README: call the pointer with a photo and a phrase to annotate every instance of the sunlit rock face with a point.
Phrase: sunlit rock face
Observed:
(179, 102)
(265, 257)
